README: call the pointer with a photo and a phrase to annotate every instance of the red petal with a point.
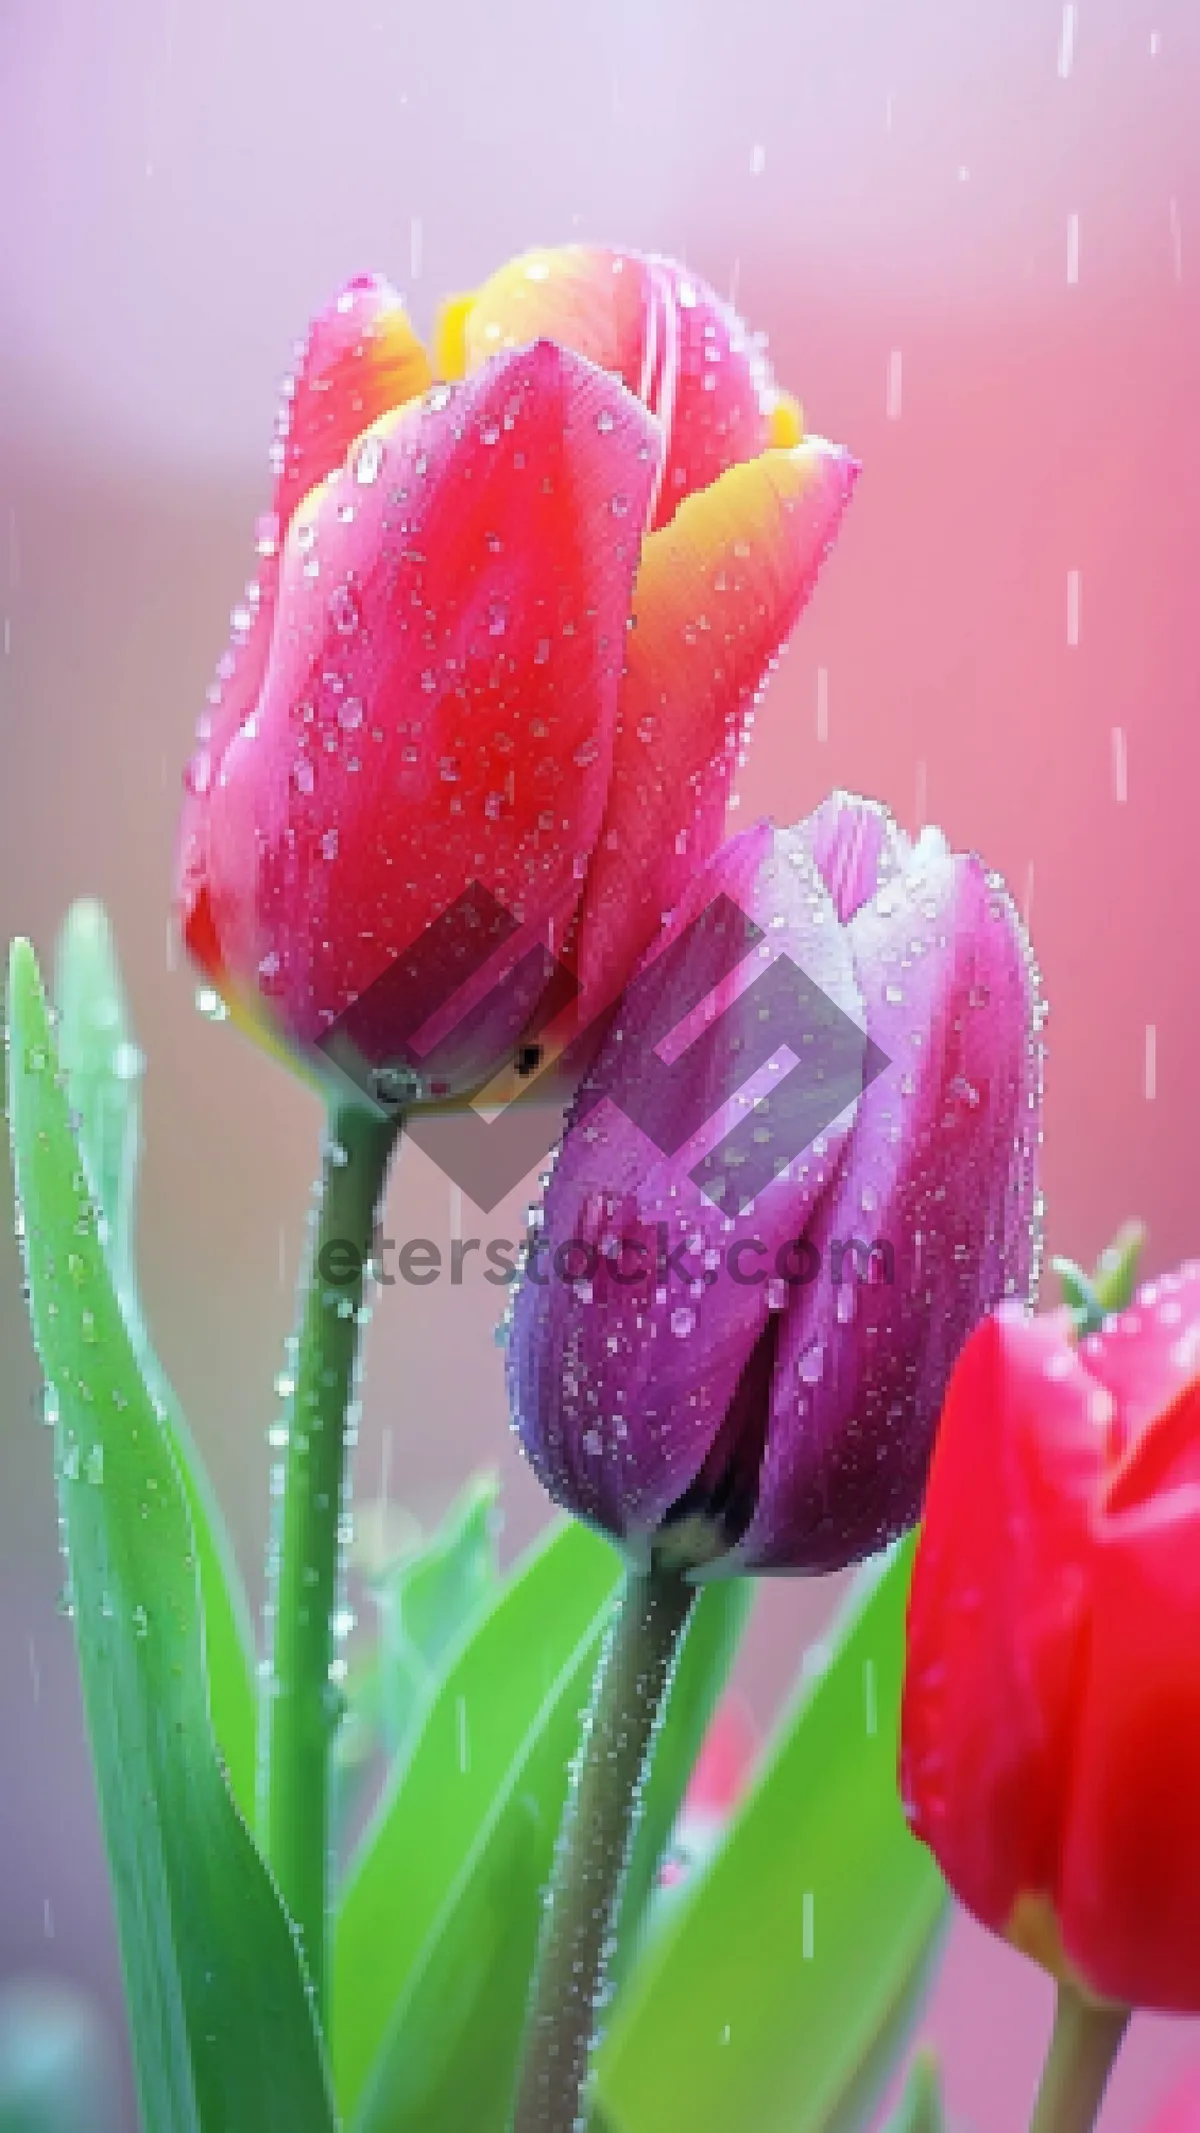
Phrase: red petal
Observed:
(663, 331)
(1150, 1353)
(231, 698)
(996, 1613)
(440, 698)
(361, 358)
(1131, 1872)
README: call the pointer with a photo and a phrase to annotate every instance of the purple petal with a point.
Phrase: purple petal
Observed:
(857, 846)
(620, 1388)
(939, 1168)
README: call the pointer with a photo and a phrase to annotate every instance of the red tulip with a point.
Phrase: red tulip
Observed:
(1051, 1736)
(504, 632)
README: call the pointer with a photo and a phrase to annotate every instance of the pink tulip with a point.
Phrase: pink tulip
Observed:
(502, 641)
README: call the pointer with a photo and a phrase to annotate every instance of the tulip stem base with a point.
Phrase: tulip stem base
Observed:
(634, 1676)
(302, 1703)
(1083, 2047)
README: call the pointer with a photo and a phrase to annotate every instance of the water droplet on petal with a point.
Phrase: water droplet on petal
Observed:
(344, 611)
(369, 464)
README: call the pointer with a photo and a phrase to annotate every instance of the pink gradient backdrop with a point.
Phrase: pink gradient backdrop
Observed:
(887, 187)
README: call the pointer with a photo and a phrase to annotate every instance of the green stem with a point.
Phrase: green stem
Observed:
(302, 1704)
(635, 1672)
(1083, 2046)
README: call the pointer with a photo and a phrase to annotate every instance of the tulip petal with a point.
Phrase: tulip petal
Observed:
(583, 297)
(664, 332)
(360, 358)
(1149, 1354)
(940, 1177)
(623, 1378)
(857, 847)
(718, 591)
(996, 1614)
(1130, 1877)
(230, 700)
(785, 422)
(450, 335)
(440, 697)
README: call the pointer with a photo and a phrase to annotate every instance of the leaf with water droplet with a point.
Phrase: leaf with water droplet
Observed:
(440, 1917)
(1114, 1276)
(220, 2023)
(102, 1066)
(427, 1593)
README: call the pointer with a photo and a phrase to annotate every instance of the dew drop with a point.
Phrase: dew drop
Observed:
(344, 610)
(369, 464)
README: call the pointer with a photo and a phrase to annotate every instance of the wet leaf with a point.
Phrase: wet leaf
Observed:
(439, 1923)
(220, 2021)
(427, 1600)
(103, 1070)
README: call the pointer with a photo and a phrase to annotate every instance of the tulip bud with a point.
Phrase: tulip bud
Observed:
(1051, 1730)
(796, 1176)
(476, 709)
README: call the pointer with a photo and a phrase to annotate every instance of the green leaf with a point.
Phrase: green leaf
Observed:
(1114, 1276)
(1110, 1285)
(1079, 1295)
(103, 1069)
(713, 1635)
(222, 2031)
(775, 1995)
(427, 1600)
(440, 1918)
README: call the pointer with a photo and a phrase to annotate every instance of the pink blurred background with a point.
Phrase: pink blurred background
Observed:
(973, 237)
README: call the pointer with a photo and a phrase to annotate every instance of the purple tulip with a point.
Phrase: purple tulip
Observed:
(800, 1170)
